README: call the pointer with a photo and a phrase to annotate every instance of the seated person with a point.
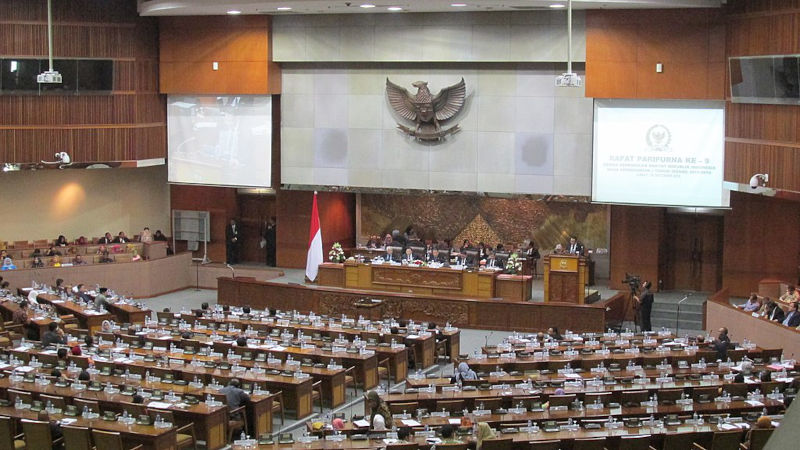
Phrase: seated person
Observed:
(135, 256)
(374, 242)
(60, 285)
(146, 235)
(408, 257)
(447, 432)
(437, 257)
(121, 238)
(55, 261)
(82, 241)
(380, 415)
(159, 236)
(52, 252)
(55, 428)
(559, 250)
(78, 260)
(37, 263)
(20, 316)
(763, 422)
(100, 301)
(235, 396)
(36, 252)
(793, 316)
(721, 344)
(491, 260)
(753, 303)
(61, 241)
(463, 372)
(8, 264)
(390, 255)
(553, 333)
(106, 239)
(104, 256)
(462, 260)
(791, 296)
(53, 335)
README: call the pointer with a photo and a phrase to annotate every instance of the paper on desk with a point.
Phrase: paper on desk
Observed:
(572, 376)
(728, 426)
(49, 352)
(412, 336)
(361, 423)
(158, 405)
(68, 421)
(411, 423)
(454, 421)
(24, 369)
(754, 403)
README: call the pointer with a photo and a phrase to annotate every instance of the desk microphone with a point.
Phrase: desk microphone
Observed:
(233, 272)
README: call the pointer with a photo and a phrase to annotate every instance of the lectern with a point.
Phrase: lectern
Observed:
(564, 278)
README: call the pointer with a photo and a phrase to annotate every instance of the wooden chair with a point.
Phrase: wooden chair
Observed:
(77, 438)
(452, 406)
(561, 400)
(589, 444)
(184, 435)
(37, 435)
(497, 444)
(489, 403)
(678, 441)
(723, 440)
(316, 394)
(26, 397)
(350, 379)
(758, 439)
(409, 446)
(408, 407)
(553, 444)
(590, 397)
(736, 389)
(93, 405)
(736, 355)
(56, 401)
(277, 405)
(640, 442)
(7, 438)
(134, 409)
(237, 417)
(108, 440)
(633, 397)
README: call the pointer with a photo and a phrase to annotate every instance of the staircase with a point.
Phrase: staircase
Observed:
(665, 311)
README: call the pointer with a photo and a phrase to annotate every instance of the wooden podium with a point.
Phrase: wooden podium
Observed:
(564, 278)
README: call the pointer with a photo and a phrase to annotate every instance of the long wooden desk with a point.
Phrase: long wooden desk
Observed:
(459, 311)
(148, 436)
(88, 318)
(720, 313)
(426, 280)
(8, 308)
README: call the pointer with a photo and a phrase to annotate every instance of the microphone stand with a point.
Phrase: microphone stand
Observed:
(678, 314)
(233, 272)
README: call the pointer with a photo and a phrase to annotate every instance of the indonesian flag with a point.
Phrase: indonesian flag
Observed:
(314, 258)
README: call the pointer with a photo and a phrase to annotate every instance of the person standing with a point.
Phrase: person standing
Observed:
(575, 247)
(270, 237)
(645, 301)
(232, 241)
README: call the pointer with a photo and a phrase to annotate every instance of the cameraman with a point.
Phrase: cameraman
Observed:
(645, 300)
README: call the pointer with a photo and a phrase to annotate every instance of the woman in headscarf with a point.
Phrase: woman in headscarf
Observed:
(463, 372)
(484, 432)
(380, 416)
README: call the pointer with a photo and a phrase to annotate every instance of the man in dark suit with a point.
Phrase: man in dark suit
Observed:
(52, 336)
(721, 344)
(437, 257)
(391, 254)
(793, 318)
(232, 242)
(575, 247)
(775, 312)
(235, 395)
(491, 260)
(645, 301)
(107, 239)
(270, 238)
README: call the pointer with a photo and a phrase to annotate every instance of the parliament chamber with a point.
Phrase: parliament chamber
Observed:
(538, 224)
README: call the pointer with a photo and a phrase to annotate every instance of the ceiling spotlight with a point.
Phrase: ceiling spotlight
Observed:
(395, 8)
(458, 5)
(234, 12)
(558, 5)
(367, 5)
(284, 8)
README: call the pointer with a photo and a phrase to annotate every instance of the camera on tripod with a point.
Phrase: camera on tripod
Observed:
(633, 281)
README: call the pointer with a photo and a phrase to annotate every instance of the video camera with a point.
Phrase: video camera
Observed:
(633, 281)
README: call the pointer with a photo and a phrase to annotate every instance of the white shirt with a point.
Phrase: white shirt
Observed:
(378, 423)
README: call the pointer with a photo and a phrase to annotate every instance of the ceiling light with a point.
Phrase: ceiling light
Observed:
(458, 5)
(284, 8)
(395, 8)
(234, 12)
(367, 5)
(558, 5)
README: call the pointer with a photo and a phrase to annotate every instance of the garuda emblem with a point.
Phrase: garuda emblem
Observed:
(426, 111)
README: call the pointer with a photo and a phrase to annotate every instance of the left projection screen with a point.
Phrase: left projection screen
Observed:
(220, 140)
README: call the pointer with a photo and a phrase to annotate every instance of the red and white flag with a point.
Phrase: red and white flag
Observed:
(314, 258)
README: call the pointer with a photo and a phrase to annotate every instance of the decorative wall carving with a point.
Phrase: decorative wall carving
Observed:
(411, 277)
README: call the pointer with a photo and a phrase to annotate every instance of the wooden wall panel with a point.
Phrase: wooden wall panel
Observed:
(635, 241)
(337, 220)
(128, 124)
(762, 240)
(623, 47)
(763, 138)
(220, 201)
(240, 45)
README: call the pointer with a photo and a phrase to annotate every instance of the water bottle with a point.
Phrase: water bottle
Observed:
(85, 411)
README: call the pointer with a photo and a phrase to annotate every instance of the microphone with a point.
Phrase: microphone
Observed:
(233, 272)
